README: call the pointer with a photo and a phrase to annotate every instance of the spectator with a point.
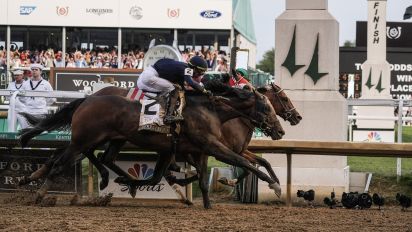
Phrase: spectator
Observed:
(58, 62)
(222, 65)
(79, 60)
(36, 105)
(48, 59)
(70, 63)
(210, 61)
(15, 62)
(19, 106)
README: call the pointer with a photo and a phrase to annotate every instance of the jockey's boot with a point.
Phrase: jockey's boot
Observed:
(170, 109)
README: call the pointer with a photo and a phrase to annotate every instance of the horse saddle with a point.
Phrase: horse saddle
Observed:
(152, 112)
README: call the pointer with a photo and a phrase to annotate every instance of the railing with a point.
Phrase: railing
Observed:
(382, 102)
(290, 147)
(11, 118)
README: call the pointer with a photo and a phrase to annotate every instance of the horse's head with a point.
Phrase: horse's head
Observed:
(265, 117)
(281, 103)
(252, 105)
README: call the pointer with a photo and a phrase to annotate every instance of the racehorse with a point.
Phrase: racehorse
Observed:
(236, 135)
(119, 120)
(236, 132)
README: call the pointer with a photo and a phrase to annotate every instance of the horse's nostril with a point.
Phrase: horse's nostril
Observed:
(281, 132)
(299, 117)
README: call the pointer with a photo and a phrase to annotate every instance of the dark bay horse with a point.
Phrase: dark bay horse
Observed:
(236, 135)
(237, 132)
(118, 121)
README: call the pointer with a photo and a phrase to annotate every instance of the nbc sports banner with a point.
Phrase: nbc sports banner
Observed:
(142, 170)
(374, 135)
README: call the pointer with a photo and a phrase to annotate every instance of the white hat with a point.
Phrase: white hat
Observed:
(39, 66)
(18, 72)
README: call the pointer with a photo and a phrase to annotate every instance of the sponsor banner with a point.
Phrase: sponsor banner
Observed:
(142, 170)
(16, 163)
(69, 79)
(176, 14)
(374, 136)
(64, 13)
(398, 34)
(400, 63)
(204, 14)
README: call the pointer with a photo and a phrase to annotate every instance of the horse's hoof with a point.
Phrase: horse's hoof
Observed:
(276, 187)
(208, 206)
(132, 191)
(23, 181)
(188, 203)
(103, 184)
(39, 198)
(228, 182)
(121, 180)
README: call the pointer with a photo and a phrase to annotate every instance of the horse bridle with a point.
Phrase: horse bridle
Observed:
(287, 114)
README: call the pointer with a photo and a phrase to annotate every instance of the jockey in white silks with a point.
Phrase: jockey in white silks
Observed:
(159, 78)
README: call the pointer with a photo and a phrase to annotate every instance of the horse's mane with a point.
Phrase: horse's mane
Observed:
(219, 88)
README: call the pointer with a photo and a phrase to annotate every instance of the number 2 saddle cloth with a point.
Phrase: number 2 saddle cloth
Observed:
(152, 112)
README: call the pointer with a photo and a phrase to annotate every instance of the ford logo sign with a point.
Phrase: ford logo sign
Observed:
(210, 14)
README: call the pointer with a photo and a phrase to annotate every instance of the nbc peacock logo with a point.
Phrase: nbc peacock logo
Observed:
(373, 136)
(141, 171)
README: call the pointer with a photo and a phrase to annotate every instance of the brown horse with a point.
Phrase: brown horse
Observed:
(118, 121)
(236, 133)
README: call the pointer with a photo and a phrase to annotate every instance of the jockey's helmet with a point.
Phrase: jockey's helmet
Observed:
(243, 73)
(198, 63)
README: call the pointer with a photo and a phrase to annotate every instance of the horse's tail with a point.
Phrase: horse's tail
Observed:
(31, 119)
(61, 120)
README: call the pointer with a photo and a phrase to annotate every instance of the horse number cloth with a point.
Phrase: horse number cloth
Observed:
(152, 113)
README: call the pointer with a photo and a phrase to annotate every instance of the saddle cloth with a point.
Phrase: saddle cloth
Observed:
(151, 114)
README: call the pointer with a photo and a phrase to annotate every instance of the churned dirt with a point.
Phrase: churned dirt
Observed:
(70, 213)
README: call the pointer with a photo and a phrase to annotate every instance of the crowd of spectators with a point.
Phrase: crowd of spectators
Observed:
(103, 58)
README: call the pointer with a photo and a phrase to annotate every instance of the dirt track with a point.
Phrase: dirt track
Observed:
(173, 216)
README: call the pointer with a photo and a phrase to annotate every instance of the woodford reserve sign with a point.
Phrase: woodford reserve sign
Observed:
(79, 79)
(16, 163)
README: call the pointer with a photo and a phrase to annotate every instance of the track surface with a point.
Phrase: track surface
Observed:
(136, 215)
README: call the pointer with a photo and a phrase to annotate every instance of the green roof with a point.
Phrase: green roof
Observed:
(243, 19)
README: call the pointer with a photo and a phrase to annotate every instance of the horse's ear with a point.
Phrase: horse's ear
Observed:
(262, 90)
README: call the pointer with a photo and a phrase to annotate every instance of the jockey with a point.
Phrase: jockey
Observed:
(240, 79)
(164, 73)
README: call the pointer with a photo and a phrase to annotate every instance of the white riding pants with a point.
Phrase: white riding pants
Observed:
(149, 80)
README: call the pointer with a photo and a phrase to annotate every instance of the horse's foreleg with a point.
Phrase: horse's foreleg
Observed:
(224, 154)
(104, 174)
(43, 190)
(203, 181)
(43, 171)
(110, 155)
(262, 162)
(161, 166)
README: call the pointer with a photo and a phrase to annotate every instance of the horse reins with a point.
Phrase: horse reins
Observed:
(261, 125)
